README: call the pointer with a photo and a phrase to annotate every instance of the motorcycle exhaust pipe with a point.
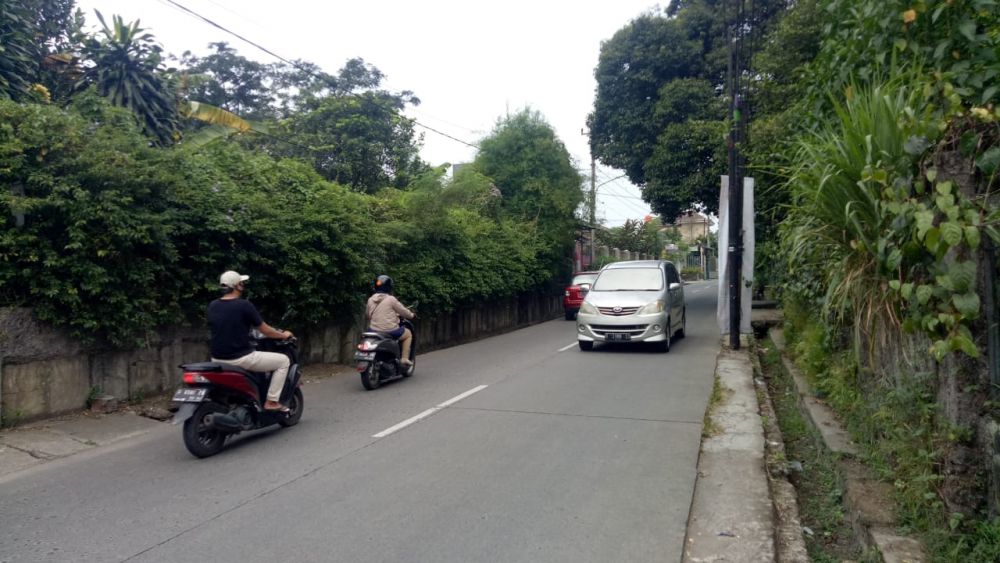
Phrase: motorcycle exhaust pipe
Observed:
(223, 423)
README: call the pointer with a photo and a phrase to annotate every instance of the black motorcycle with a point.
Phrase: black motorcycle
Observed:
(378, 357)
(219, 400)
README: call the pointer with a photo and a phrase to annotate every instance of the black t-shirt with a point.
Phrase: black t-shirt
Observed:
(231, 321)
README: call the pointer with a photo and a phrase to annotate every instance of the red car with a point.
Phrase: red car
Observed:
(576, 291)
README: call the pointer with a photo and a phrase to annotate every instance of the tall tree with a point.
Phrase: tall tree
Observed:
(536, 178)
(659, 113)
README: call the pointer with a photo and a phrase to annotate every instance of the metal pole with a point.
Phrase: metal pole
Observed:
(593, 207)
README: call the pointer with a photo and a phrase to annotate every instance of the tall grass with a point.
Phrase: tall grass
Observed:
(837, 227)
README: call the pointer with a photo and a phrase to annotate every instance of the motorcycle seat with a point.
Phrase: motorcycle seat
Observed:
(384, 335)
(215, 366)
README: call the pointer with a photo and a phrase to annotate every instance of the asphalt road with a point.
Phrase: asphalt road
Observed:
(554, 455)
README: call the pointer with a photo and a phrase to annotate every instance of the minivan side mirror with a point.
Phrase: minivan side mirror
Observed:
(584, 287)
(675, 286)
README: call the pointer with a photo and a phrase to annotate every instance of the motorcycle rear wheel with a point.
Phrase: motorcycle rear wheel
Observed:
(369, 377)
(200, 439)
(295, 406)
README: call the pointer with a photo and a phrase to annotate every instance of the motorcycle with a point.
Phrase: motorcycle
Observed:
(378, 357)
(219, 400)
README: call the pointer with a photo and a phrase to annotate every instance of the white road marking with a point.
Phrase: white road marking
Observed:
(564, 348)
(428, 412)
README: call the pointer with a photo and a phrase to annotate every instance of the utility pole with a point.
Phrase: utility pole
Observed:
(593, 207)
(736, 134)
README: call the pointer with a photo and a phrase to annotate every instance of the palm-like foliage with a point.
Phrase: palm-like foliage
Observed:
(838, 223)
(127, 69)
(18, 51)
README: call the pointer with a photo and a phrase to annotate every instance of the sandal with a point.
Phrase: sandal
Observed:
(279, 408)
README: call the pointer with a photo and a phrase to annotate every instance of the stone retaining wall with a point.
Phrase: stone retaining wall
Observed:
(44, 372)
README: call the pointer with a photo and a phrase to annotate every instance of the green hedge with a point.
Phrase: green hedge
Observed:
(119, 238)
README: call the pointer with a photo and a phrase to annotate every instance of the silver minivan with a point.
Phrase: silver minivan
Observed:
(635, 301)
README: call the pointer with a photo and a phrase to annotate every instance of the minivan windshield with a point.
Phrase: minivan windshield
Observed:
(630, 279)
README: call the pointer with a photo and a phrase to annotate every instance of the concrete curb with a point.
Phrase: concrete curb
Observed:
(731, 516)
(873, 526)
(789, 545)
(30, 445)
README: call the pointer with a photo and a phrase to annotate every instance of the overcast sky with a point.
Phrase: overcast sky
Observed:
(468, 61)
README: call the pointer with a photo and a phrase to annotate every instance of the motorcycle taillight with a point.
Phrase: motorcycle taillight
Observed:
(193, 378)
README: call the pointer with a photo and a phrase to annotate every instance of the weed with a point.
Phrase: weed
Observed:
(709, 427)
(94, 392)
(818, 485)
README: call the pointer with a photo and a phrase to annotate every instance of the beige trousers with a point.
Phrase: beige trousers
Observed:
(264, 361)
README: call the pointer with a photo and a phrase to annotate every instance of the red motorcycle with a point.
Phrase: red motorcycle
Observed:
(219, 400)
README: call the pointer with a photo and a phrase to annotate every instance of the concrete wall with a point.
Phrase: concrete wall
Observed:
(45, 372)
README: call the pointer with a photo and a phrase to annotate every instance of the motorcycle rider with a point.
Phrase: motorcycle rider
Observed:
(230, 319)
(383, 312)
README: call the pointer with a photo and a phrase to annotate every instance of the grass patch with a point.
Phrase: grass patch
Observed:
(708, 427)
(817, 486)
(902, 436)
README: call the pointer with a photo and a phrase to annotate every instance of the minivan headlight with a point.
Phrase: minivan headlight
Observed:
(588, 309)
(652, 308)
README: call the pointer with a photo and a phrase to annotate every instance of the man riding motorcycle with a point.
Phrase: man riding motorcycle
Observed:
(384, 311)
(230, 319)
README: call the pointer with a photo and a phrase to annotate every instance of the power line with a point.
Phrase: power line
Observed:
(297, 65)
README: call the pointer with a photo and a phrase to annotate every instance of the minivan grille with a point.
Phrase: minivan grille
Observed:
(617, 311)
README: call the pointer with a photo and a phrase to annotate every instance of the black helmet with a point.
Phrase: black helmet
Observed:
(383, 284)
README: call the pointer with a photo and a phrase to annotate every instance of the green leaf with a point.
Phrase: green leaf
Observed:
(968, 29)
(925, 221)
(933, 239)
(965, 344)
(931, 174)
(944, 188)
(972, 237)
(967, 304)
(895, 284)
(988, 94)
(951, 233)
(963, 274)
(940, 349)
(915, 146)
(906, 290)
(945, 282)
(924, 294)
(989, 161)
(894, 260)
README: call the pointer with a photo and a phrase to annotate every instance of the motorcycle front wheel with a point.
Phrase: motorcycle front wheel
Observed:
(369, 377)
(201, 439)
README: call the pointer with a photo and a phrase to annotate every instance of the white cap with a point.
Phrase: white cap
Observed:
(232, 279)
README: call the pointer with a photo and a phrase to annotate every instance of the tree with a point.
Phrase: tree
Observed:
(536, 178)
(635, 236)
(362, 141)
(659, 112)
(229, 81)
(126, 68)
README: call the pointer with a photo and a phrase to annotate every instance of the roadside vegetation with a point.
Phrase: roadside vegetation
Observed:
(830, 537)
(129, 184)
(874, 139)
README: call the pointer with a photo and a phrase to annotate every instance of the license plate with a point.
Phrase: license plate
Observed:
(618, 337)
(364, 355)
(190, 395)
